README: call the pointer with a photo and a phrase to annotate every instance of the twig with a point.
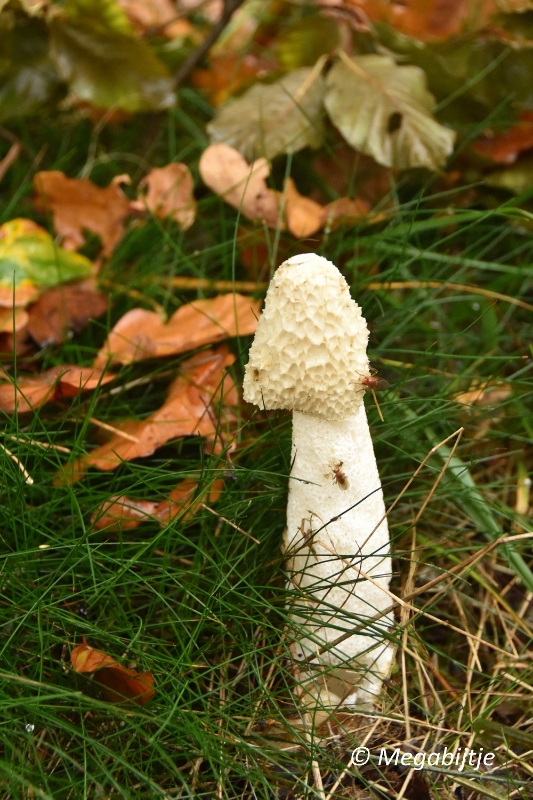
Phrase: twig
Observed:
(12, 456)
(115, 431)
(230, 6)
(228, 522)
(11, 156)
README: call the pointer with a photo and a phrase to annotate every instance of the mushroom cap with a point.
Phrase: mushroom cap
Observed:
(309, 350)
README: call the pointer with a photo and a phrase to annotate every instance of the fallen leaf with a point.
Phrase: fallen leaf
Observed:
(169, 194)
(13, 319)
(517, 178)
(304, 216)
(229, 72)
(159, 16)
(426, 20)
(195, 405)
(125, 513)
(30, 261)
(345, 211)
(104, 63)
(78, 205)
(269, 119)
(384, 110)
(60, 311)
(241, 185)
(141, 334)
(485, 394)
(504, 148)
(118, 683)
(67, 380)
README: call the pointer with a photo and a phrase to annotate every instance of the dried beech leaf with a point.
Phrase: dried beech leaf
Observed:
(30, 261)
(504, 148)
(66, 380)
(158, 15)
(125, 513)
(169, 193)
(346, 211)
(384, 110)
(12, 319)
(304, 216)
(118, 683)
(78, 204)
(63, 310)
(192, 408)
(228, 72)
(281, 117)
(242, 185)
(141, 334)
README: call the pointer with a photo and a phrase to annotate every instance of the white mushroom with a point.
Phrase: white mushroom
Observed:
(309, 356)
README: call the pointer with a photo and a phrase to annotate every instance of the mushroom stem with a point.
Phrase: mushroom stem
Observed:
(336, 527)
(309, 356)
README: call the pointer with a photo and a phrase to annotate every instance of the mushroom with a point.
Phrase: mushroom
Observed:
(309, 356)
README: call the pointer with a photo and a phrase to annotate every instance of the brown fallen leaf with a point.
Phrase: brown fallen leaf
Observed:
(63, 310)
(169, 194)
(193, 407)
(12, 319)
(118, 683)
(504, 148)
(159, 16)
(67, 380)
(242, 185)
(228, 72)
(125, 513)
(484, 394)
(78, 204)
(345, 211)
(304, 216)
(141, 334)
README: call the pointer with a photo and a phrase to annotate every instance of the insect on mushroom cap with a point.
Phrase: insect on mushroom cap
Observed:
(309, 350)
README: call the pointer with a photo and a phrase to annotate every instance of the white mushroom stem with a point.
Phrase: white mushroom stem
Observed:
(309, 355)
(336, 530)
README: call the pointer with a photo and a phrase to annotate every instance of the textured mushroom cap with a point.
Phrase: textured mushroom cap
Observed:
(309, 350)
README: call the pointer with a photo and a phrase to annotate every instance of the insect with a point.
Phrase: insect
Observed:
(374, 383)
(339, 477)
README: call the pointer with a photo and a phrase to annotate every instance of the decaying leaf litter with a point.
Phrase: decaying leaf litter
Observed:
(148, 495)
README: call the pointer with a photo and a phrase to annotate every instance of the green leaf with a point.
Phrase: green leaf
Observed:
(384, 110)
(28, 79)
(303, 43)
(109, 69)
(30, 261)
(282, 117)
(108, 14)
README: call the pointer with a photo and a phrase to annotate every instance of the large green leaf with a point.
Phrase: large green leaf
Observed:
(282, 117)
(107, 68)
(30, 261)
(384, 110)
(28, 79)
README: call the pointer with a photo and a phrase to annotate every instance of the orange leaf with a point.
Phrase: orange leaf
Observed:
(141, 334)
(344, 210)
(67, 380)
(240, 184)
(118, 683)
(229, 72)
(169, 194)
(80, 204)
(61, 310)
(191, 408)
(304, 216)
(160, 15)
(123, 513)
(504, 148)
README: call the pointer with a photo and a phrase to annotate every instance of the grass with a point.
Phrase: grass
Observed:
(202, 605)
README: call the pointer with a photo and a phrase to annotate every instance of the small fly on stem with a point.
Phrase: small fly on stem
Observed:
(375, 384)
